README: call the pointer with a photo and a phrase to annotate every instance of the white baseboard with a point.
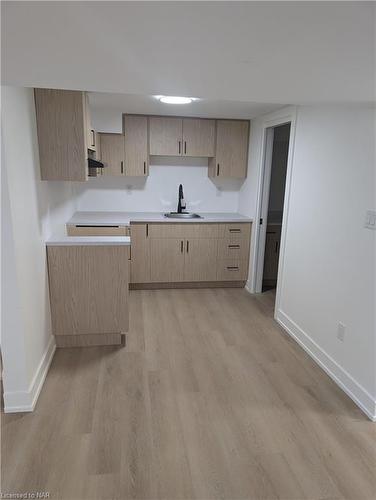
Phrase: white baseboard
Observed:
(344, 380)
(24, 401)
(248, 286)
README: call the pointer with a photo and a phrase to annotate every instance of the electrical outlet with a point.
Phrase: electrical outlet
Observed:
(341, 332)
(370, 219)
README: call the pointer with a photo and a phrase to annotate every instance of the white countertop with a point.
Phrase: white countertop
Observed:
(61, 239)
(125, 218)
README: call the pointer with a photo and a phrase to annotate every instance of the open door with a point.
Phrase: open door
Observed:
(272, 205)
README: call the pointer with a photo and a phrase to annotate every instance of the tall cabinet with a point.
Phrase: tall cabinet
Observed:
(64, 134)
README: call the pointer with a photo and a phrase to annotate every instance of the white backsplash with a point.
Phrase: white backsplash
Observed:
(159, 191)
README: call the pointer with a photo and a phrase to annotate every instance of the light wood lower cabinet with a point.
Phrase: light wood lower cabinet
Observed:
(140, 254)
(189, 252)
(87, 230)
(88, 287)
(232, 270)
(233, 248)
(167, 260)
(200, 262)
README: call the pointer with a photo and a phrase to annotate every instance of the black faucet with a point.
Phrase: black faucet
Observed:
(181, 202)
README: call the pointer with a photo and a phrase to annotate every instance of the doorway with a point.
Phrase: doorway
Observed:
(272, 203)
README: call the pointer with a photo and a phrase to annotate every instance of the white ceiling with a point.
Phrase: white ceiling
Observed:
(261, 52)
(204, 108)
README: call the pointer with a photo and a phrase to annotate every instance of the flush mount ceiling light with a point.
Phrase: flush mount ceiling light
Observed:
(172, 99)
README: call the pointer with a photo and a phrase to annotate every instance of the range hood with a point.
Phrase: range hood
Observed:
(95, 163)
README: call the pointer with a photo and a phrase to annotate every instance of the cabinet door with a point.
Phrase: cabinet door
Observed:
(136, 145)
(88, 289)
(165, 136)
(90, 133)
(167, 259)
(140, 254)
(198, 137)
(112, 152)
(62, 137)
(200, 259)
(98, 154)
(271, 254)
(231, 149)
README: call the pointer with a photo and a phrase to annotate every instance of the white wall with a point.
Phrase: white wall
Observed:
(329, 266)
(31, 209)
(159, 191)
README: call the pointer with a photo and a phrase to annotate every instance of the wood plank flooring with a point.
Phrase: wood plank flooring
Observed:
(209, 399)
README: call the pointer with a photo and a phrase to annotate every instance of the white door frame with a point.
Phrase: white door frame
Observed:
(286, 115)
(265, 177)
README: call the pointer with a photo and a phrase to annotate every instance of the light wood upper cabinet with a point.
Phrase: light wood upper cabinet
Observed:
(98, 153)
(62, 134)
(136, 145)
(140, 254)
(167, 260)
(198, 137)
(231, 156)
(171, 136)
(90, 133)
(165, 135)
(112, 153)
(200, 262)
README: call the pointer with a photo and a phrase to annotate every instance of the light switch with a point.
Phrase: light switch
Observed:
(370, 219)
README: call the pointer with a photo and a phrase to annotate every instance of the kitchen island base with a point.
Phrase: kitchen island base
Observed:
(90, 340)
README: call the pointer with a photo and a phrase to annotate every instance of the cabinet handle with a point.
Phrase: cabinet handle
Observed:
(234, 246)
(144, 167)
(92, 138)
(217, 168)
(91, 225)
(187, 246)
(122, 167)
(234, 230)
(185, 147)
(182, 246)
(147, 230)
(233, 268)
(276, 246)
(179, 147)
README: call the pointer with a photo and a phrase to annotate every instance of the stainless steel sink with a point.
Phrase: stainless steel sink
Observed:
(182, 215)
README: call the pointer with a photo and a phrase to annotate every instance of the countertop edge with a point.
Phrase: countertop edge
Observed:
(88, 241)
(126, 218)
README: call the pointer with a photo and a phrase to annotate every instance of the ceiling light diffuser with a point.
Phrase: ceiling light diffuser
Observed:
(172, 99)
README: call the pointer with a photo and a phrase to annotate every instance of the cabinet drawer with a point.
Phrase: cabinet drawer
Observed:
(242, 229)
(232, 270)
(233, 248)
(187, 230)
(83, 230)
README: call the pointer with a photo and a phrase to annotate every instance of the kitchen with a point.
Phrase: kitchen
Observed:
(188, 250)
(176, 249)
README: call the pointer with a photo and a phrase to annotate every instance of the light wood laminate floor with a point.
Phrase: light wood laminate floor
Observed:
(210, 399)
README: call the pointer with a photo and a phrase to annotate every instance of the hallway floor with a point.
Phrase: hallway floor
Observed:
(209, 399)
